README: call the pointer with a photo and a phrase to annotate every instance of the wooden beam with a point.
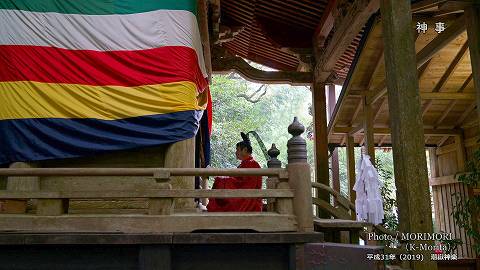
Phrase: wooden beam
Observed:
(384, 131)
(321, 140)
(229, 64)
(356, 16)
(472, 15)
(460, 153)
(432, 48)
(368, 130)
(447, 96)
(410, 167)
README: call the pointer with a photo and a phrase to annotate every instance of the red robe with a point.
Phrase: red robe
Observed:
(243, 182)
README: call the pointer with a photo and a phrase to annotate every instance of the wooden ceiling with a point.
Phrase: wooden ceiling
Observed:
(445, 85)
(278, 33)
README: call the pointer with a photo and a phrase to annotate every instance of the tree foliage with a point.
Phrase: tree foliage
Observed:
(269, 117)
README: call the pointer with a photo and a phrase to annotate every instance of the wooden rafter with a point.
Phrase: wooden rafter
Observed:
(344, 140)
(465, 114)
(382, 140)
(451, 68)
(228, 64)
(377, 113)
(426, 4)
(424, 55)
(357, 111)
(378, 63)
(351, 24)
(442, 140)
(446, 112)
(326, 23)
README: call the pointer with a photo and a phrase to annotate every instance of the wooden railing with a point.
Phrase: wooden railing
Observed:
(289, 197)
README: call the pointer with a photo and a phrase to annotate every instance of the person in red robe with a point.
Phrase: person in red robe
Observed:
(243, 153)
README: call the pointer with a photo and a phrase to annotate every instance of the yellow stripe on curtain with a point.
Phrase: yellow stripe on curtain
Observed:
(27, 99)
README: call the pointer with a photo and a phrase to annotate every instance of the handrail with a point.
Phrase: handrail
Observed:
(277, 172)
(150, 193)
(340, 198)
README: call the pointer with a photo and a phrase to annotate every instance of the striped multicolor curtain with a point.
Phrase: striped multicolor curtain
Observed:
(79, 77)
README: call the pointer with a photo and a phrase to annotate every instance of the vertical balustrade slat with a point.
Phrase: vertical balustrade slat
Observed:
(161, 206)
(299, 177)
(272, 182)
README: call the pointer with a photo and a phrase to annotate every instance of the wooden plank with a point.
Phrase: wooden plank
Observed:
(321, 139)
(261, 222)
(472, 15)
(410, 166)
(151, 193)
(443, 180)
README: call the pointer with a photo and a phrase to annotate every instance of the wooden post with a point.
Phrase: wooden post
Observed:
(351, 170)
(272, 182)
(299, 177)
(472, 17)
(321, 142)
(334, 161)
(368, 130)
(410, 165)
(182, 155)
(433, 159)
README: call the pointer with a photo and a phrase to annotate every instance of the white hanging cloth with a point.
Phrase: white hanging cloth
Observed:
(369, 203)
